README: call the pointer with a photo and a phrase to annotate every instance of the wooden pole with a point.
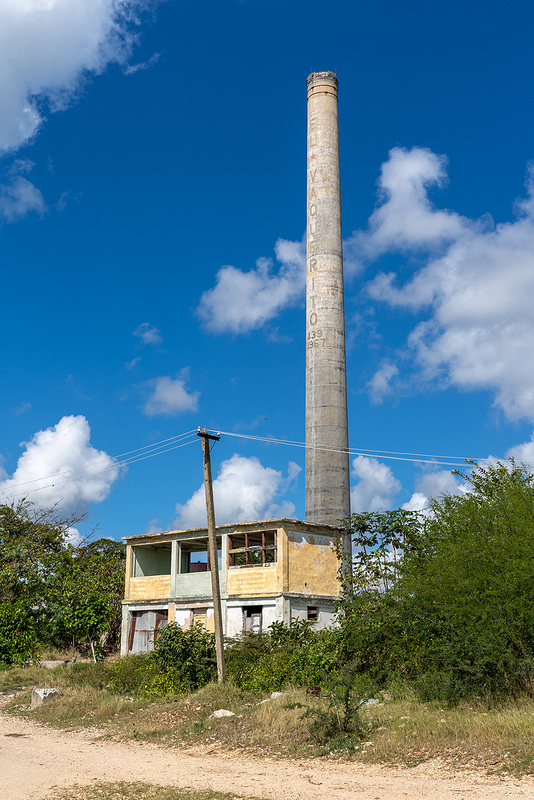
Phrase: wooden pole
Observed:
(212, 549)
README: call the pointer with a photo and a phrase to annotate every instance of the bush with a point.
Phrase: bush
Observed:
(18, 638)
(187, 657)
(285, 655)
(450, 600)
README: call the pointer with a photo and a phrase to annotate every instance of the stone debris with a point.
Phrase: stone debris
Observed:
(40, 696)
(222, 712)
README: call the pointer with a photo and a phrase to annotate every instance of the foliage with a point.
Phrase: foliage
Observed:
(293, 654)
(338, 725)
(380, 540)
(132, 675)
(87, 593)
(18, 639)
(187, 657)
(32, 547)
(62, 590)
(455, 611)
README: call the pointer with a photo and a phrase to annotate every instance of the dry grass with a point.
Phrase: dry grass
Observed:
(498, 738)
(136, 791)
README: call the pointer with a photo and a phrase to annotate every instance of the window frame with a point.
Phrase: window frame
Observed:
(248, 549)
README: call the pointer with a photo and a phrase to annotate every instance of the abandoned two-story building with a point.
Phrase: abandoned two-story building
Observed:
(272, 570)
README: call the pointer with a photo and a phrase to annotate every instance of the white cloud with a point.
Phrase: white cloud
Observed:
(244, 301)
(432, 485)
(169, 396)
(243, 490)
(148, 333)
(380, 383)
(405, 218)
(417, 502)
(62, 461)
(523, 453)
(477, 282)
(18, 195)
(47, 47)
(376, 487)
(154, 526)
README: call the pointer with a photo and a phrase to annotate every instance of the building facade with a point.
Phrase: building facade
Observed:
(272, 570)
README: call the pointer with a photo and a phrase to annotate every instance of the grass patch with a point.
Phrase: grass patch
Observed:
(498, 738)
(137, 791)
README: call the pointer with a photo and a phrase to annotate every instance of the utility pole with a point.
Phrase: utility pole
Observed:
(212, 550)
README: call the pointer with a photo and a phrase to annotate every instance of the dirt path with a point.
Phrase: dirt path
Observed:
(35, 759)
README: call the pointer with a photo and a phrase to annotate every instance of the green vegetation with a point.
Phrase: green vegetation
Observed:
(436, 628)
(52, 593)
(450, 603)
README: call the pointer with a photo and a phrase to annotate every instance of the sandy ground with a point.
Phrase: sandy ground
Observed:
(34, 760)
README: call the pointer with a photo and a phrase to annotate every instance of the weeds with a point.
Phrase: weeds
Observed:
(137, 791)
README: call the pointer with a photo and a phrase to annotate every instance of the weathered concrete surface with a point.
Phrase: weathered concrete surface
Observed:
(327, 460)
(40, 696)
(313, 564)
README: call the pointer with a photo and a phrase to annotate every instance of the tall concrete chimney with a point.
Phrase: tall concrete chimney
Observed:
(327, 459)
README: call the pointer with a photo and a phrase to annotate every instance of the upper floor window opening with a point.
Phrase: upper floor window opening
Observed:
(254, 549)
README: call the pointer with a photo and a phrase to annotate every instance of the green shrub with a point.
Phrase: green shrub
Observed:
(18, 638)
(285, 655)
(187, 657)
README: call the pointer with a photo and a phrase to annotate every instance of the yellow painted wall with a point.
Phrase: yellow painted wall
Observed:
(312, 564)
(253, 581)
(154, 588)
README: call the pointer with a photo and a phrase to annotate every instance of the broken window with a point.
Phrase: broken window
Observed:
(254, 549)
(195, 556)
(313, 614)
(252, 619)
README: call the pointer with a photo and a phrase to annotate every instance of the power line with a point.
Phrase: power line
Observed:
(417, 458)
(87, 474)
(154, 446)
(176, 442)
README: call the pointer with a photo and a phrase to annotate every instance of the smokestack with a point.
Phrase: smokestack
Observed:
(327, 459)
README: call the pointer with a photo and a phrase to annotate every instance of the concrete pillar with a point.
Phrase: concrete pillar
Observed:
(327, 460)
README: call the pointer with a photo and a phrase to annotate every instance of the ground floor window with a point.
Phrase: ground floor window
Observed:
(144, 628)
(313, 614)
(252, 618)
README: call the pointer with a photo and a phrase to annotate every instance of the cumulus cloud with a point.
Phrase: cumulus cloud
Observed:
(169, 396)
(243, 490)
(432, 485)
(148, 333)
(376, 487)
(244, 301)
(47, 47)
(475, 288)
(59, 466)
(405, 218)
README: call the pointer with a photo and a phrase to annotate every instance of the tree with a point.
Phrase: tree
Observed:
(88, 594)
(455, 612)
(56, 589)
(471, 579)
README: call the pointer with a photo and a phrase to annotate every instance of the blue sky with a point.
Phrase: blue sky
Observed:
(152, 209)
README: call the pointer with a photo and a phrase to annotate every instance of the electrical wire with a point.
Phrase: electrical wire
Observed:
(117, 465)
(417, 458)
(154, 446)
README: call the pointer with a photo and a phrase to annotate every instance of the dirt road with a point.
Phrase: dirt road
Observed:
(35, 759)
